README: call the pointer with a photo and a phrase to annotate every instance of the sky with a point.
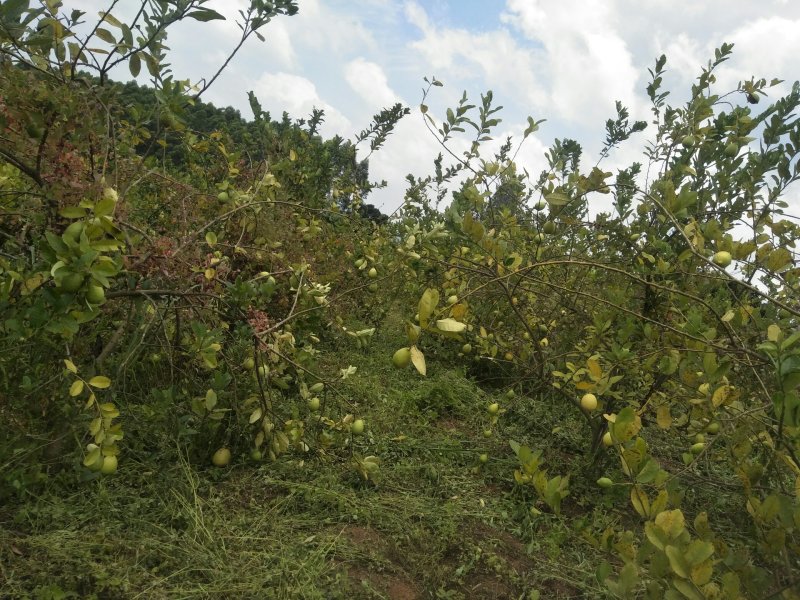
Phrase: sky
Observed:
(566, 61)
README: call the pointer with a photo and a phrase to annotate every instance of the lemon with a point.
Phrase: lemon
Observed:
(605, 482)
(589, 402)
(402, 358)
(607, 439)
(722, 258)
(71, 282)
(221, 457)
(357, 427)
(95, 294)
(109, 465)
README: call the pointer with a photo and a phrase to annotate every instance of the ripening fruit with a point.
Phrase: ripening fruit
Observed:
(402, 358)
(509, 356)
(484, 458)
(722, 258)
(607, 439)
(605, 482)
(514, 300)
(313, 404)
(95, 294)
(589, 402)
(249, 363)
(713, 427)
(549, 227)
(697, 448)
(109, 465)
(493, 408)
(221, 457)
(452, 300)
(372, 273)
(357, 427)
(466, 348)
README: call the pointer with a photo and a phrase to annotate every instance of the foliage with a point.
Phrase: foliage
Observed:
(208, 275)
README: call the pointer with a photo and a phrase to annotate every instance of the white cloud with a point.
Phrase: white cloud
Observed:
(368, 80)
(297, 95)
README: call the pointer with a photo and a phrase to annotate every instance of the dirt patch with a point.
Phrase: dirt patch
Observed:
(392, 581)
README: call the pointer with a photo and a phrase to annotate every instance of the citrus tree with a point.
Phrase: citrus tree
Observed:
(154, 269)
(669, 323)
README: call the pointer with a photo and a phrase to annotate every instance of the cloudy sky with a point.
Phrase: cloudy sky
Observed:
(566, 61)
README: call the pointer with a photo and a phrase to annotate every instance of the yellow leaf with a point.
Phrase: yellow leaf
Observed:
(70, 366)
(418, 360)
(701, 574)
(773, 333)
(209, 274)
(671, 522)
(76, 388)
(292, 155)
(459, 311)
(594, 368)
(724, 394)
(100, 382)
(640, 501)
(663, 417)
(728, 316)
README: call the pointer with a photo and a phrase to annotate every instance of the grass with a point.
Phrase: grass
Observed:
(436, 525)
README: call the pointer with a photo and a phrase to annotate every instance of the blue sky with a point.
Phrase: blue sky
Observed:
(563, 60)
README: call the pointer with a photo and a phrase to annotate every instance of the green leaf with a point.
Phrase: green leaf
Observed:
(211, 238)
(91, 457)
(698, 551)
(206, 14)
(105, 35)
(677, 562)
(72, 212)
(100, 382)
(211, 399)
(135, 65)
(110, 19)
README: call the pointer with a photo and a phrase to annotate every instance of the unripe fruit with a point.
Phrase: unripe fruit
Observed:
(372, 273)
(607, 439)
(223, 197)
(493, 408)
(263, 372)
(732, 149)
(540, 205)
(511, 393)
(109, 465)
(549, 227)
(373, 287)
(509, 356)
(589, 402)
(249, 363)
(487, 433)
(71, 282)
(688, 141)
(484, 458)
(256, 455)
(95, 294)
(313, 404)
(605, 482)
(317, 388)
(452, 300)
(221, 457)
(722, 258)
(402, 358)
(357, 427)
(699, 438)
(466, 348)
(713, 427)
(697, 448)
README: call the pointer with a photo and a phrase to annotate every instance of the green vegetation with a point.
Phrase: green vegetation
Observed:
(198, 402)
